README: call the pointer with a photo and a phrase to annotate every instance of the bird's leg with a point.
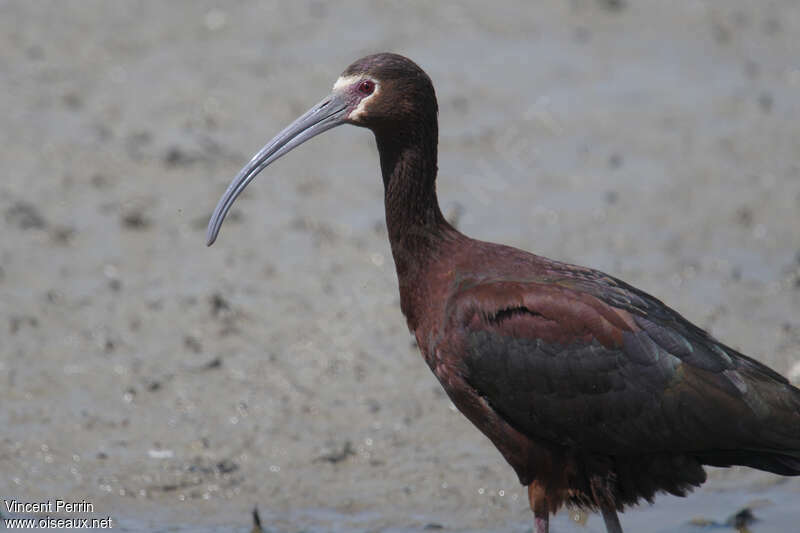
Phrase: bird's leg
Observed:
(605, 501)
(611, 519)
(541, 511)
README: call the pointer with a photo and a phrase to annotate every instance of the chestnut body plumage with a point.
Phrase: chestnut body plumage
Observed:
(596, 393)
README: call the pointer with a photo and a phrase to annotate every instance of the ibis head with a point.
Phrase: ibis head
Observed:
(379, 92)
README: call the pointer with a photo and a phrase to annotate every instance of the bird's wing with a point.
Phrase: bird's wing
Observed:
(592, 364)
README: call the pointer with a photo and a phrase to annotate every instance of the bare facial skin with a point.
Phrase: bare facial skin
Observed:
(350, 81)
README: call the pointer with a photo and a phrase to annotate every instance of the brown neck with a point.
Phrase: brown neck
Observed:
(417, 229)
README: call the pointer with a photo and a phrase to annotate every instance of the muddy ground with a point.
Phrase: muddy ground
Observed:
(176, 386)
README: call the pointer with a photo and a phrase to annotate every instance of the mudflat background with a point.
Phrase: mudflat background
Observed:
(175, 386)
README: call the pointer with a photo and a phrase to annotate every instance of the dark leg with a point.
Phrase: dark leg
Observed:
(604, 498)
(541, 512)
(611, 519)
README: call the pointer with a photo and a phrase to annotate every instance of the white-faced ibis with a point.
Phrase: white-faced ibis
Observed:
(596, 393)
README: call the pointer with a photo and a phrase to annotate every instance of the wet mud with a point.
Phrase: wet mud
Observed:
(178, 387)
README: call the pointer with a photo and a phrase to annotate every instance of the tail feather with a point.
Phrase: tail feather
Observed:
(777, 463)
(785, 465)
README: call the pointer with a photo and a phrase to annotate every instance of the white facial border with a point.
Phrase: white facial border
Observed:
(345, 81)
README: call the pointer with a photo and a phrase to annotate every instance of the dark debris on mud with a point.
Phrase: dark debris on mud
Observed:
(339, 455)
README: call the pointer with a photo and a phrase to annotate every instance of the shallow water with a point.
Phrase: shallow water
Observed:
(774, 510)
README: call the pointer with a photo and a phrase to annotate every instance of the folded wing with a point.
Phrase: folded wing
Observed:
(599, 367)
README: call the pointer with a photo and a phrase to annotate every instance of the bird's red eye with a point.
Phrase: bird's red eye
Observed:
(366, 87)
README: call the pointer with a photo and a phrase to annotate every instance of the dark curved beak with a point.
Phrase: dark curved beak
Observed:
(329, 113)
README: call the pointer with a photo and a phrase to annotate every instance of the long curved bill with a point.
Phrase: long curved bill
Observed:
(329, 113)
